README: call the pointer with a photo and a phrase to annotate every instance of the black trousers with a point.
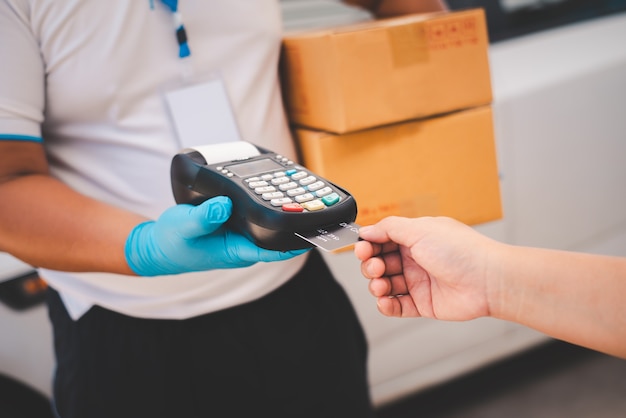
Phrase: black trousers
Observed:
(297, 352)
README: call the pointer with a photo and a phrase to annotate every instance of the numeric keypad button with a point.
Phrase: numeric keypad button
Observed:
(323, 191)
(314, 205)
(255, 184)
(288, 186)
(280, 180)
(315, 186)
(295, 192)
(281, 201)
(308, 180)
(264, 189)
(272, 195)
(299, 175)
(304, 197)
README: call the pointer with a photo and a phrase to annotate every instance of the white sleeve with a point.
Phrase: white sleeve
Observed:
(22, 74)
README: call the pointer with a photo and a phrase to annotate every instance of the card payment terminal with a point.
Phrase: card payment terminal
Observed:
(273, 198)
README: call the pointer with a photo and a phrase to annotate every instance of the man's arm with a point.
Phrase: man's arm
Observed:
(47, 224)
(388, 8)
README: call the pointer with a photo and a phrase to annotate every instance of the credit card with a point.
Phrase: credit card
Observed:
(333, 238)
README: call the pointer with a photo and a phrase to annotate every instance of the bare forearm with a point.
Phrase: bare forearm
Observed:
(63, 230)
(570, 296)
(387, 8)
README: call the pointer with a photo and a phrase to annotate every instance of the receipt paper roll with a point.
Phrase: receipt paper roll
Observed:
(226, 151)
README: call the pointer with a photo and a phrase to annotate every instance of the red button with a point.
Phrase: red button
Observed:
(293, 207)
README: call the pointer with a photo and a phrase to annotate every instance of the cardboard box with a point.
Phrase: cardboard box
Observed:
(385, 71)
(441, 166)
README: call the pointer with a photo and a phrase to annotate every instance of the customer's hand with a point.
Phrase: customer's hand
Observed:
(189, 238)
(429, 267)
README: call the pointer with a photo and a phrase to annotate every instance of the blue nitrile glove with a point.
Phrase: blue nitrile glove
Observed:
(189, 238)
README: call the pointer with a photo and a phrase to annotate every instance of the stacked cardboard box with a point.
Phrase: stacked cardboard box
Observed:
(398, 112)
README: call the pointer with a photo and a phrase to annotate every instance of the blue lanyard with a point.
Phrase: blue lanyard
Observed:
(181, 34)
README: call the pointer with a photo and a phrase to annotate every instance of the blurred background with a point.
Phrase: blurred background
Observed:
(558, 72)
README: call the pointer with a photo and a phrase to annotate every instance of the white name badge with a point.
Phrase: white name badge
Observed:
(202, 114)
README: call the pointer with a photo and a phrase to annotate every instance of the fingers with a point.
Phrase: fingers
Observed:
(390, 229)
(373, 233)
(388, 264)
(269, 256)
(385, 259)
(400, 306)
(204, 219)
(385, 270)
(373, 268)
(388, 286)
(242, 249)
(366, 249)
(394, 230)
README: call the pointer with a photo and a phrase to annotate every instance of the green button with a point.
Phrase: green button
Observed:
(331, 199)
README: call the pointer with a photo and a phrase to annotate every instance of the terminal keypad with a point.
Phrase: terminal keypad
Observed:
(293, 190)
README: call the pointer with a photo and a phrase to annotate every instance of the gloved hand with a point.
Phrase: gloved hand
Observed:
(189, 238)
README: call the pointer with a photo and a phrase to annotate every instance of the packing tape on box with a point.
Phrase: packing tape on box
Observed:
(408, 45)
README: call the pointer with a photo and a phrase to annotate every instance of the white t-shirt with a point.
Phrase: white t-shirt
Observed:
(88, 76)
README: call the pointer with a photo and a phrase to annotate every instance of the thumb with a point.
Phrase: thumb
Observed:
(205, 218)
(400, 230)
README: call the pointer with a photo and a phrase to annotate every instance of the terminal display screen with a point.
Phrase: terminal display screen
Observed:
(251, 168)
